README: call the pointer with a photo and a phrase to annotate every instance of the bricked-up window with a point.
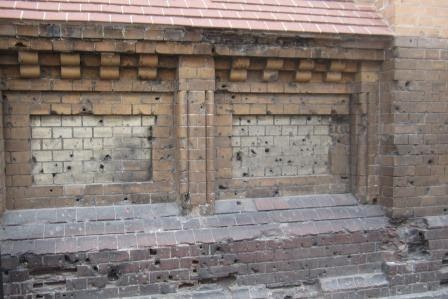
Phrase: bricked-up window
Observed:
(269, 146)
(91, 149)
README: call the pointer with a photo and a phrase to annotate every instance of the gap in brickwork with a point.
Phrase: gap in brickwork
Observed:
(281, 145)
(91, 149)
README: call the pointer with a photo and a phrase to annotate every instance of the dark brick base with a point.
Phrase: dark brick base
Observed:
(323, 246)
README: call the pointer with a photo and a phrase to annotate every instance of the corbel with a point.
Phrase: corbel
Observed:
(70, 66)
(304, 70)
(29, 64)
(110, 66)
(147, 69)
(239, 68)
(333, 76)
(273, 65)
(337, 66)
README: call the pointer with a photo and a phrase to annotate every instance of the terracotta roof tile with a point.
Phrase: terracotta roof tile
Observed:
(330, 16)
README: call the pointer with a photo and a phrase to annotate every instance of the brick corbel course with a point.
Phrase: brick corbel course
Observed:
(70, 66)
(273, 65)
(29, 64)
(110, 69)
(239, 68)
(148, 67)
(304, 70)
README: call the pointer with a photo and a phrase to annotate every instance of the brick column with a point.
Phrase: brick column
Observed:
(194, 121)
(2, 162)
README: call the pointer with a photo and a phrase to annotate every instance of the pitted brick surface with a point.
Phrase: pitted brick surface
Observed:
(270, 146)
(91, 149)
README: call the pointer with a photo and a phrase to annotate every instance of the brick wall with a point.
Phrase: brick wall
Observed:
(128, 98)
(415, 108)
(414, 17)
(2, 162)
(268, 146)
(196, 90)
(91, 149)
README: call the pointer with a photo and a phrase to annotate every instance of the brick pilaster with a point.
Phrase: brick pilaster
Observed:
(195, 110)
(2, 162)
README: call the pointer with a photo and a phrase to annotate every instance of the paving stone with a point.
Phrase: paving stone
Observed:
(358, 281)
(124, 212)
(146, 240)
(18, 217)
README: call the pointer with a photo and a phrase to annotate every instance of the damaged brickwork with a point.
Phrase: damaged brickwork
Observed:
(155, 159)
(267, 146)
(91, 149)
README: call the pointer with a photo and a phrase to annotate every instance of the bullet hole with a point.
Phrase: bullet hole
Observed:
(78, 199)
(407, 83)
(397, 108)
(289, 161)
(224, 86)
(303, 139)
(170, 276)
(101, 166)
(195, 270)
(157, 98)
(34, 159)
(157, 262)
(221, 187)
(113, 273)
(71, 155)
(19, 44)
(430, 161)
(100, 121)
(233, 96)
(374, 200)
(152, 251)
(53, 174)
(253, 152)
(51, 190)
(308, 118)
(239, 156)
(195, 262)
(41, 171)
(84, 109)
(69, 168)
(238, 203)
(245, 174)
(270, 170)
(411, 182)
(125, 199)
(107, 157)
(266, 150)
